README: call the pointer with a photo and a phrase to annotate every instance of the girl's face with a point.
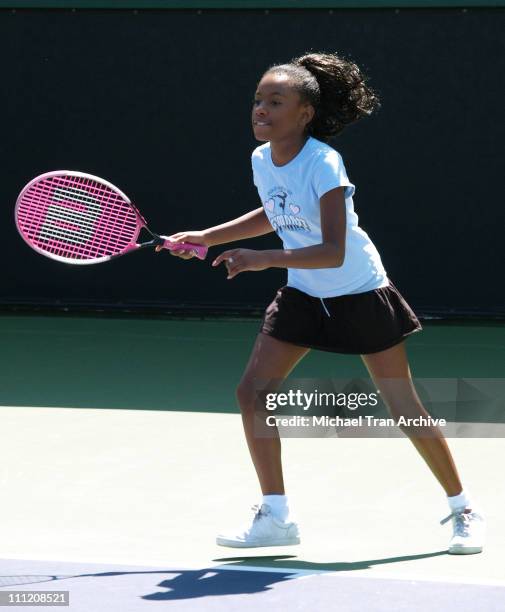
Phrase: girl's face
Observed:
(278, 113)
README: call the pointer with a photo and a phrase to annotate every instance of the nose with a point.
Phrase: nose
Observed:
(259, 109)
(260, 116)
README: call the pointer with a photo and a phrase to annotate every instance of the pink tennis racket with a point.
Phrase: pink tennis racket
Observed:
(78, 218)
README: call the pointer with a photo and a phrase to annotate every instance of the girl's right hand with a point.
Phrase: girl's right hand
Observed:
(196, 237)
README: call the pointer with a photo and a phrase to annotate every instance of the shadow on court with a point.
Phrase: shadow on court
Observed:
(211, 581)
(248, 583)
(292, 563)
(222, 581)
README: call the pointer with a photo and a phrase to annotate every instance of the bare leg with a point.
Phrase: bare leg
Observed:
(402, 399)
(270, 359)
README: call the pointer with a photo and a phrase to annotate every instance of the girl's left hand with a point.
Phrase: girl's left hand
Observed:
(242, 260)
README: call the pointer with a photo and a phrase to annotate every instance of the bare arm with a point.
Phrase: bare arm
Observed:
(329, 254)
(250, 225)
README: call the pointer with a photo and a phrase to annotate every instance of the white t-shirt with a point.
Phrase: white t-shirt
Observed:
(290, 195)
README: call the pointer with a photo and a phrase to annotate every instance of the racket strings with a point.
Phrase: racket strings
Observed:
(74, 208)
(77, 217)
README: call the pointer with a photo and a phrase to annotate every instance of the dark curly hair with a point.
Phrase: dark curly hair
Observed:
(334, 86)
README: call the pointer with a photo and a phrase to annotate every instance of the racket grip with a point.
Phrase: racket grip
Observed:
(199, 249)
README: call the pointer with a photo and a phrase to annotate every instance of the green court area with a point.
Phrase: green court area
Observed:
(193, 365)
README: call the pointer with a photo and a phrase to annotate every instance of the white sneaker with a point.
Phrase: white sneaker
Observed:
(265, 530)
(469, 532)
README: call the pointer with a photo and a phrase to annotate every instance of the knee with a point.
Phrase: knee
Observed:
(246, 395)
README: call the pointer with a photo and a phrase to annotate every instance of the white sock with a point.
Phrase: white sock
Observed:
(279, 506)
(459, 502)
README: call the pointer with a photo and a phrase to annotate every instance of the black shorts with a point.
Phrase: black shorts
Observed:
(359, 323)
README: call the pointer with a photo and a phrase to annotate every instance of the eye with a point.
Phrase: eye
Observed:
(273, 102)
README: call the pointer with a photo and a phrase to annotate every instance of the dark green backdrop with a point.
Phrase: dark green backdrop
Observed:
(158, 102)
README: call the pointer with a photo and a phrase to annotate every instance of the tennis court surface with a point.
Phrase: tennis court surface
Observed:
(123, 456)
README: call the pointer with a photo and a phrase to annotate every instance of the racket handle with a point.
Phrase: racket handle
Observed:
(199, 249)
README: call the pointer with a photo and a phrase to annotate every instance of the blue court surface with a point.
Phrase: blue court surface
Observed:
(248, 588)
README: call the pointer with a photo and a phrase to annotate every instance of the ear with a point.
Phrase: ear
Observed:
(307, 114)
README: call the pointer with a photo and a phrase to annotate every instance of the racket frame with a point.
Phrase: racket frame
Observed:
(133, 246)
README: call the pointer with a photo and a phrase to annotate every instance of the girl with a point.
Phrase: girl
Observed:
(338, 296)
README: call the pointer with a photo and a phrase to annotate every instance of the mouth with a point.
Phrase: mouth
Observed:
(261, 123)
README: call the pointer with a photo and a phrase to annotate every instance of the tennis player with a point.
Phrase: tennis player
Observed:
(338, 296)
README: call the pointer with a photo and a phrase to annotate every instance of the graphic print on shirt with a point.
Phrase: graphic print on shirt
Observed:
(283, 213)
